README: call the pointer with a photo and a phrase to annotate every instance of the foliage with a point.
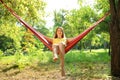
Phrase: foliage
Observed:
(102, 8)
(79, 20)
(7, 42)
(102, 5)
(59, 17)
(11, 36)
(30, 11)
(1, 53)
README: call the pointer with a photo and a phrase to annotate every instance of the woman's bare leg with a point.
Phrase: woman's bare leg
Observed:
(55, 51)
(62, 53)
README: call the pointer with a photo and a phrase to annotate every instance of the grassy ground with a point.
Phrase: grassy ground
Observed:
(79, 65)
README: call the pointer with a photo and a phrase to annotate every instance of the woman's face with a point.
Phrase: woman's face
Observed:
(59, 33)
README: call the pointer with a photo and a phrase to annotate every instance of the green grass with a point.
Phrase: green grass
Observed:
(95, 64)
(86, 56)
(79, 64)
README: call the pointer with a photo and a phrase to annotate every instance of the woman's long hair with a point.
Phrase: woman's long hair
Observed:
(63, 34)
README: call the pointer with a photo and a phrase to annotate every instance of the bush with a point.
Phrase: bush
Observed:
(7, 45)
(1, 53)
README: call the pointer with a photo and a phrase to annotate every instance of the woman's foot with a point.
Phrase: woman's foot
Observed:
(55, 57)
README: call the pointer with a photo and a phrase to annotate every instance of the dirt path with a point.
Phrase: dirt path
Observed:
(51, 71)
(32, 74)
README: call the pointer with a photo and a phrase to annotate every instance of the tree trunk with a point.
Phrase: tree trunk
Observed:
(115, 37)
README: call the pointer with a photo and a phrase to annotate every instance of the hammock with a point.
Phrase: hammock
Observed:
(46, 42)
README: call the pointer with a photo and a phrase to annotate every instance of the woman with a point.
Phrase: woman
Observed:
(59, 43)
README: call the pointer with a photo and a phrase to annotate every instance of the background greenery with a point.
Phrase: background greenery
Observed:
(14, 37)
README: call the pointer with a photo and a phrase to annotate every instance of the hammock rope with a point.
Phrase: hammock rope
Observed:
(47, 43)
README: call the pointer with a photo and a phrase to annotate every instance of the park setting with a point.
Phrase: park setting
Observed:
(59, 40)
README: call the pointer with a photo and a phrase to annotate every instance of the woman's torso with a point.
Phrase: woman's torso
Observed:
(57, 41)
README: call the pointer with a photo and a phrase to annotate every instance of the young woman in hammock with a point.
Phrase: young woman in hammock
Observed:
(59, 42)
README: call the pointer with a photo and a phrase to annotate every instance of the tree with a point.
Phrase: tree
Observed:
(115, 37)
(59, 17)
(30, 11)
(77, 20)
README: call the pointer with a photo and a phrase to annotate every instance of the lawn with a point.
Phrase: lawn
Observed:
(79, 65)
